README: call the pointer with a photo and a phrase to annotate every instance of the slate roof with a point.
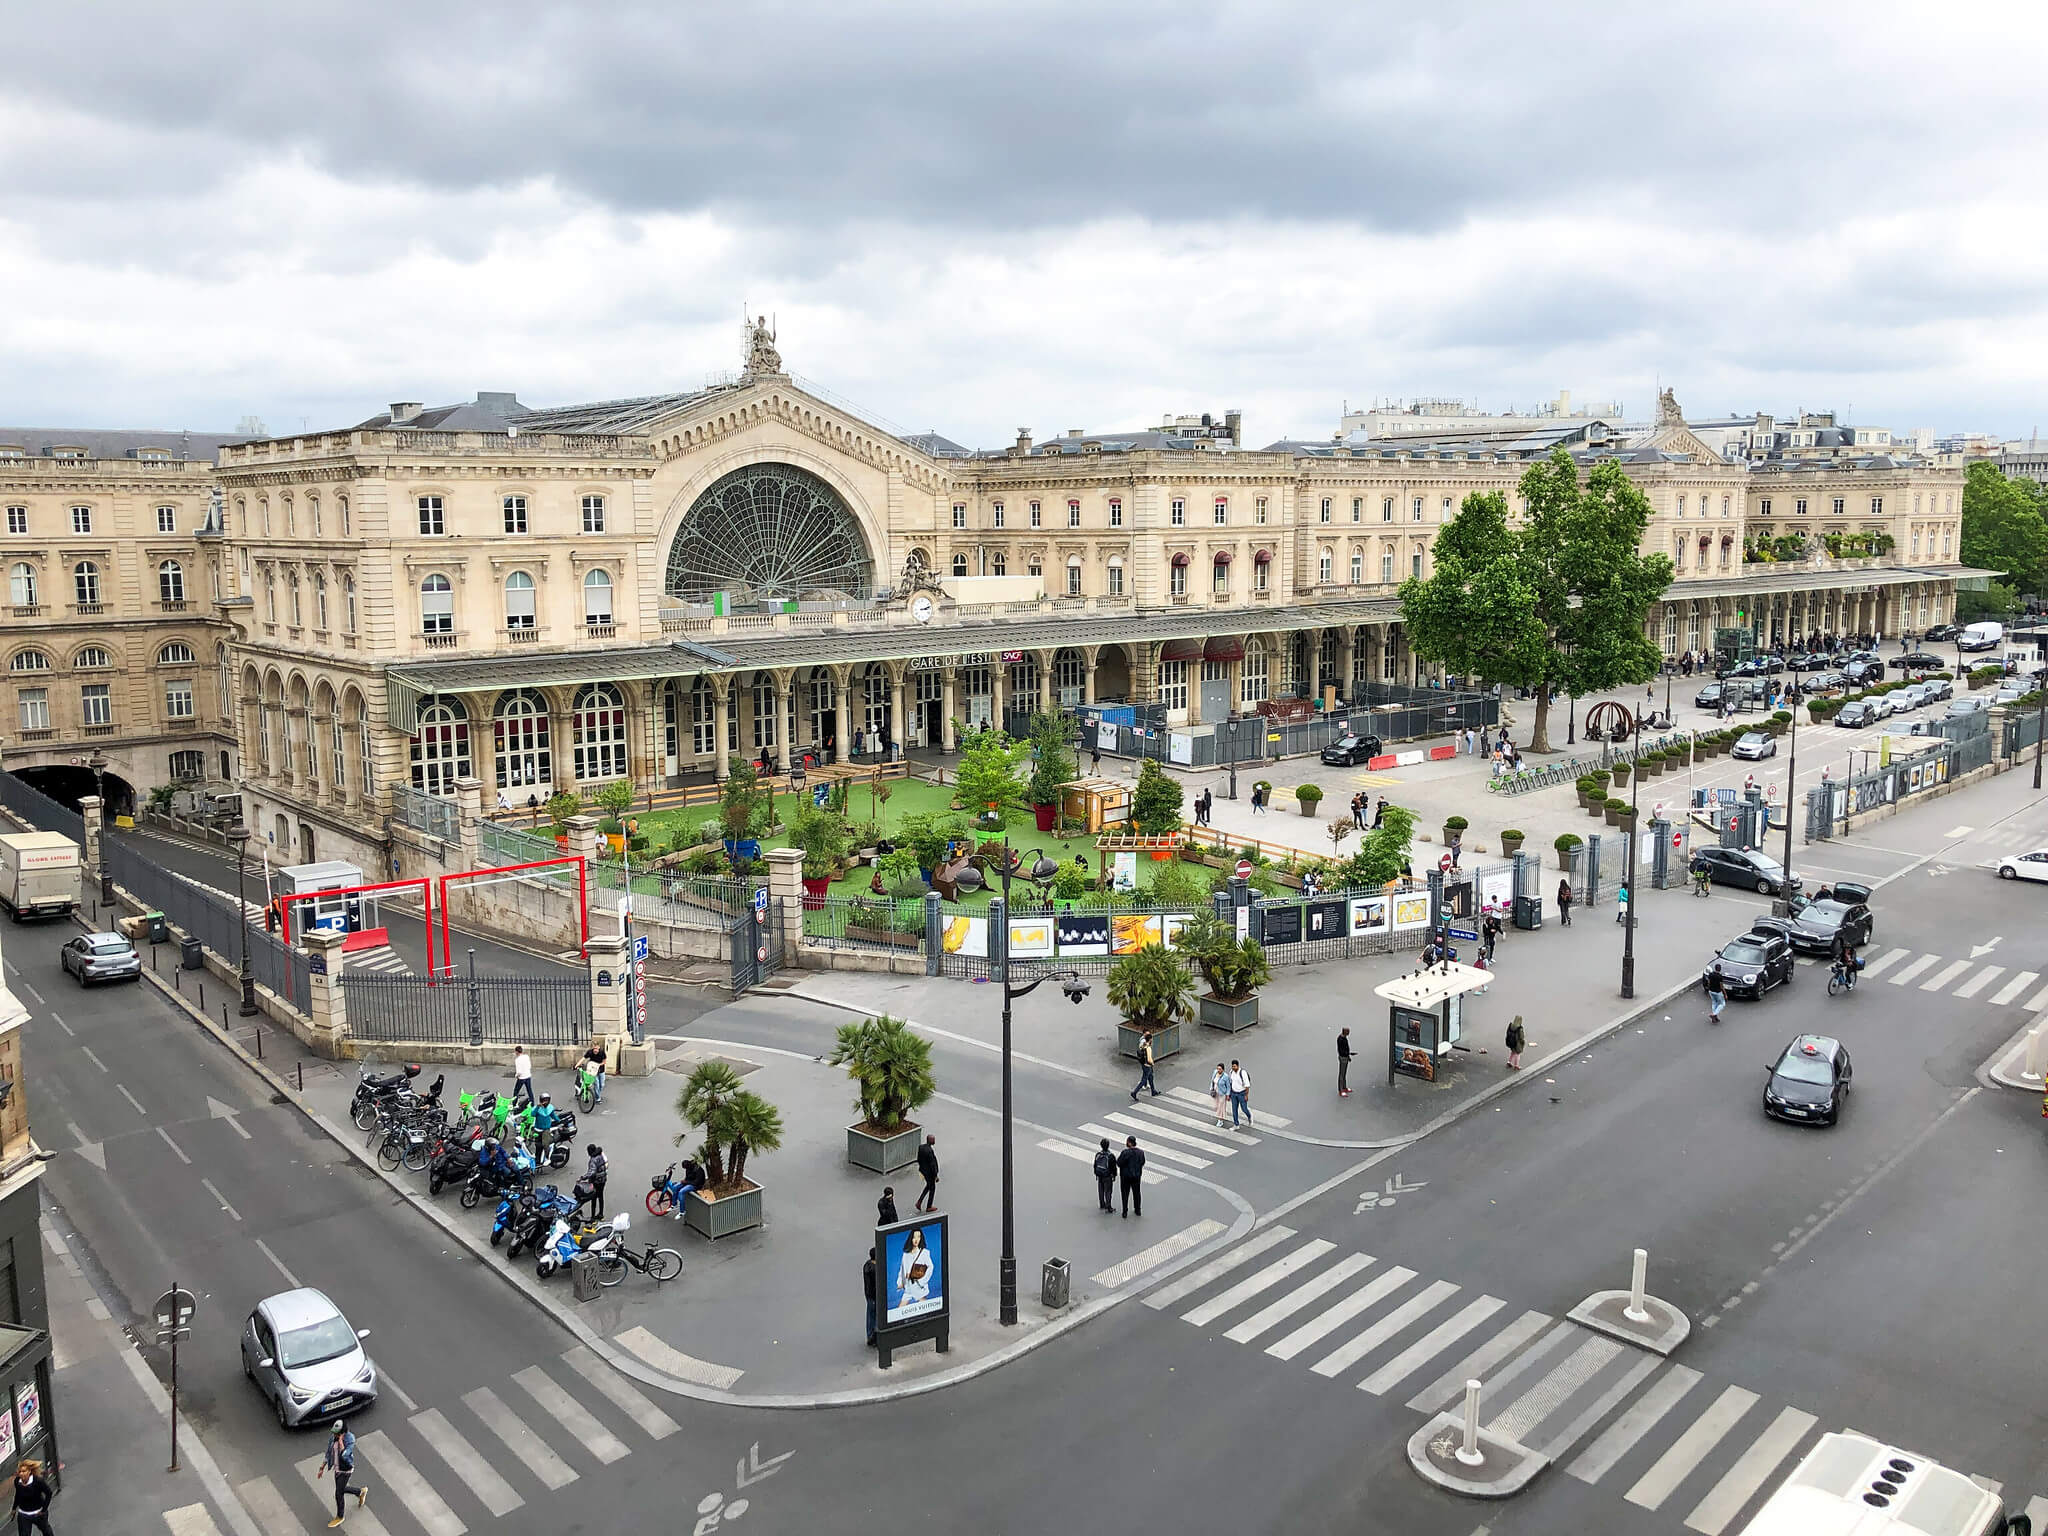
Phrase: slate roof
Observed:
(500, 411)
(41, 442)
(934, 445)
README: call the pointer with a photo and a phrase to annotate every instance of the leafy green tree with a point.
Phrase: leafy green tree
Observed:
(991, 777)
(1180, 884)
(1155, 801)
(733, 1120)
(616, 798)
(1385, 849)
(891, 1068)
(739, 799)
(561, 807)
(1054, 764)
(2005, 529)
(1556, 603)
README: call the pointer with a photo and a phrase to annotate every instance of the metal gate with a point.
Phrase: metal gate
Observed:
(468, 1010)
(755, 942)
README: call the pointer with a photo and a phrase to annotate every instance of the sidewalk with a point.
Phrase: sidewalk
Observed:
(113, 1424)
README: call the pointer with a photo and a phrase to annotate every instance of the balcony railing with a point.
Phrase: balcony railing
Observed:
(172, 605)
(598, 631)
(44, 734)
(88, 610)
(28, 610)
(99, 730)
(441, 640)
(522, 634)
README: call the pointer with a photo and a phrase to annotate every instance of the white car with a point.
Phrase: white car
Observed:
(2024, 866)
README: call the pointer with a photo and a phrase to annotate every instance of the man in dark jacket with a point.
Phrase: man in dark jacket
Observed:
(867, 1280)
(928, 1166)
(1130, 1168)
(1343, 1062)
(1105, 1175)
(885, 1208)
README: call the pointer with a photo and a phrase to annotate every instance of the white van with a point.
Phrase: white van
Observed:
(1981, 637)
(1852, 1485)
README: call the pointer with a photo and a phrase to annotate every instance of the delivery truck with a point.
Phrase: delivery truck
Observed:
(38, 875)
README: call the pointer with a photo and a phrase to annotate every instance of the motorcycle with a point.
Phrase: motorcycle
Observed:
(561, 1139)
(485, 1180)
(373, 1091)
(561, 1246)
(454, 1162)
(536, 1215)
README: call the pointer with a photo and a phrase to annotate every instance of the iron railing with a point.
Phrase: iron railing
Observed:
(468, 1010)
(425, 813)
(30, 803)
(212, 918)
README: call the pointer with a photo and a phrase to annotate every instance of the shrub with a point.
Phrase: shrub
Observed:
(1455, 823)
(1052, 740)
(733, 1119)
(1234, 968)
(1508, 832)
(1565, 842)
(1151, 988)
(822, 836)
(1155, 801)
(561, 807)
(1616, 804)
(1308, 794)
(991, 777)
(710, 830)
(891, 1068)
(1071, 883)
(706, 861)
(1178, 884)
(616, 797)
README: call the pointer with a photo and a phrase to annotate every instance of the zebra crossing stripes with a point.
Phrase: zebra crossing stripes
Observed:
(1148, 1259)
(1430, 1345)
(1216, 1268)
(272, 1515)
(526, 1446)
(1134, 1122)
(2037, 1511)
(652, 1422)
(1944, 976)
(1447, 1388)
(1264, 1280)
(1556, 1388)
(1906, 976)
(2015, 987)
(1901, 967)
(1345, 1356)
(1208, 1127)
(1276, 1312)
(1325, 1323)
(361, 1519)
(1875, 968)
(1152, 1149)
(190, 1520)
(1980, 981)
(1725, 1499)
(491, 1490)
(1083, 1155)
(1594, 1412)
(1264, 1117)
(570, 1414)
(391, 1466)
(1689, 1449)
(381, 957)
(1620, 1437)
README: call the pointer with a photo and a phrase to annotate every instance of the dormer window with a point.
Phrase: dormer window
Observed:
(69, 453)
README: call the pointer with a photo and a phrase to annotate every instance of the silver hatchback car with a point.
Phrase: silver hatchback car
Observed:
(303, 1355)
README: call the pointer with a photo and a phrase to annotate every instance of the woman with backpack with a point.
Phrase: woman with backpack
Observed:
(1564, 903)
(1517, 1038)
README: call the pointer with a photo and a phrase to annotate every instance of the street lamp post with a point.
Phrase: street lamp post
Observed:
(239, 834)
(1628, 927)
(1791, 780)
(1076, 989)
(1230, 735)
(2040, 727)
(98, 764)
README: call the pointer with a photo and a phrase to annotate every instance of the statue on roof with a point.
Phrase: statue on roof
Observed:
(761, 354)
(1668, 413)
(918, 576)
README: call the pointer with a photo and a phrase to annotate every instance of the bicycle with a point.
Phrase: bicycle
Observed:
(1840, 979)
(664, 1264)
(1702, 883)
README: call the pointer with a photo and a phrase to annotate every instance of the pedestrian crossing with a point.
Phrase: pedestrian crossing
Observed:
(447, 1471)
(1607, 1414)
(380, 957)
(1176, 1127)
(1971, 979)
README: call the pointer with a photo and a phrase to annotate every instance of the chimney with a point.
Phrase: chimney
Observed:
(1073, 431)
(499, 402)
(1023, 440)
(1233, 424)
(403, 411)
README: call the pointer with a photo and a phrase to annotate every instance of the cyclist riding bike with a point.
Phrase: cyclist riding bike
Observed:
(1847, 964)
(1702, 882)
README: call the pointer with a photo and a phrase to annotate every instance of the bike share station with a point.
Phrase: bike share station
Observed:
(1424, 1016)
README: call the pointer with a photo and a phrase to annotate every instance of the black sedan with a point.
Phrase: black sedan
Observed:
(95, 957)
(1350, 751)
(1757, 872)
(1708, 697)
(1751, 965)
(1814, 926)
(1941, 633)
(1809, 1082)
(1918, 661)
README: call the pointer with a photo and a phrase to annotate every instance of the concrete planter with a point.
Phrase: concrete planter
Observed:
(1308, 807)
(1564, 860)
(1613, 817)
(724, 1216)
(1510, 846)
(882, 1151)
(1165, 1040)
(1217, 1014)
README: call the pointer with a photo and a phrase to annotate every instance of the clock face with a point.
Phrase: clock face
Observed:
(921, 610)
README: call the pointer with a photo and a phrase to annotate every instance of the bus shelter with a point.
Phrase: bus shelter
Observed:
(1424, 1011)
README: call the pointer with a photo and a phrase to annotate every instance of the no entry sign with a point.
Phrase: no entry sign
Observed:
(1244, 869)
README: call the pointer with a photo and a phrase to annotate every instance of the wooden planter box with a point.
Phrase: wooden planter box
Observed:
(724, 1216)
(882, 1152)
(1217, 1014)
(1165, 1041)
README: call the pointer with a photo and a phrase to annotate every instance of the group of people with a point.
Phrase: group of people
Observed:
(1364, 815)
(1232, 1086)
(1203, 803)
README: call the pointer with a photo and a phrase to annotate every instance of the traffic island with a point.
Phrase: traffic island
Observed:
(1634, 1316)
(1454, 1453)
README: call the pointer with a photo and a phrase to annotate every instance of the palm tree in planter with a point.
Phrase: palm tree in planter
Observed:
(1234, 968)
(1154, 991)
(891, 1068)
(735, 1121)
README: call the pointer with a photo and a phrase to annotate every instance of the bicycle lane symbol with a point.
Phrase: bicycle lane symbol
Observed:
(714, 1509)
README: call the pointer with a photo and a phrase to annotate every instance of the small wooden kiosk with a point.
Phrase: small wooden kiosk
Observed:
(1096, 803)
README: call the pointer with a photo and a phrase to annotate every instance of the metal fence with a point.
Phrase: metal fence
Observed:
(1386, 710)
(1829, 806)
(217, 920)
(2022, 731)
(425, 813)
(755, 944)
(875, 924)
(468, 1010)
(25, 800)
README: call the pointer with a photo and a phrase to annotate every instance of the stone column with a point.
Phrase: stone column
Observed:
(842, 690)
(949, 707)
(611, 991)
(90, 809)
(469, 807)
(326, 996)
(721, 727)
(1045, 661)
(783, 731)
(999, 690)
(1347, 643)
(583, 836)
(898, 675)
(1088, 655)
(786, 885)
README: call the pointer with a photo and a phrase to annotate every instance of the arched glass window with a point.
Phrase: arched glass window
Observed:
(93, 658)
(703, 718)
(440, 749)
(437, 606)
(348, 602)
(764, 711)
(959, 565)
(270, 597)
(85, 578)
(599, 728)
(337, 735)
(29, 661)
(519, 600)
(1252, 675)
(519, 742)
(999, 564)
(366, 754)
(1073, 575)
(176, 654)
(1114, 574)
(21, 584)
(1325, 561)
(597, 597)
(291, 583)
(170, 582)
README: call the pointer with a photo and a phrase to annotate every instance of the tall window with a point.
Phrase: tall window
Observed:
(81, 519)
(35, 709)
(997, 509)
(875, 705)
(431, 520)
(1387, 567)
(342, 502)
(348, 602)
(178, 700)
(519, 601)
(320, 600)
(270, 596)
(703, 718)
(999, 564)
(1877, 506)
(1115, 573)
(1323, 514)
(1415, 512)
(166, 519)
(1220, 514)
(21, 584)
(1219, 578)
(96, 704)
(313, 506)
(960, 564)
(291, 582)
(597, 597)
(1262, 570)
(1177, 577)
(519, 742)
(437, 606)
(515, 514)
(1841, 505)
(1325, 561)
(17, 519)
(1415, 565)
(1116, 513)
(1763, 507)
(1178, 513)
(1037, 515)
(1074, 514)
(1799, 506)
(85, 579)
(1259, 511)
(599, 728)
(593, 514)
(1252, 676)
(959, 514)
(1386, 509)
(170, 582)
(764, 713)
(1073, 575)
(1357, 567)
(440, 752)
(1173, 684)
(337, 740)
(1358, 509)
(291, 520)
(366, 747)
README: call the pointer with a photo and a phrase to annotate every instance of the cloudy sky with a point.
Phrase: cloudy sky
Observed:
(974, 217)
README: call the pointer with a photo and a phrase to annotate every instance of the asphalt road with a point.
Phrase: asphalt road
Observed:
(1879, 1275)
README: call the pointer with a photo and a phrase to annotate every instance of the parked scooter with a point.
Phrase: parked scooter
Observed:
(561, 1246)
(536, 1213)
(373, 1090)
(490, 1178)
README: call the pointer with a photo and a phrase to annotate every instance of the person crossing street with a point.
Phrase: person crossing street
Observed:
(1144, 1069)
(1130, 1168)
(341, 1461)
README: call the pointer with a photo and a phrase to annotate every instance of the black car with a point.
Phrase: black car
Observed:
(1349, 751)
(1757, 872)
(1708, 697)
(1941, 633)
(1751, 965)
(1917, 661)
(1809, 1082)
(1812, 661)
(1856, 714)
(1814, 926)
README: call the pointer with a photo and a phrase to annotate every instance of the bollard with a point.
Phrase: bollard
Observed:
(259, 1045)
(299, 1075)
(1635, 1311)
(1469, 1452)
(2036, 1038)
(178, 981)
(223, 1015)
(202, 993)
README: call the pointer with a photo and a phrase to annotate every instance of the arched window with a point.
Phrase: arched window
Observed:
(366, 755)
(597, 597)
(176, 654)
(1252, 675)
(270, 597)
(170, 582)
(440, 749)
(1115, 574)
(348, 602)
(320, 600)
(313, 507)
(764, 711)
(29, 661)
(1073, 575)
(21, 584)
(999, 564)
(519, 600)
(1357, 567)
(1324, 563)
(703, 717)
(599, 726)
(519, 742)
(959, 564)
(1219, 574)
(337, 735)
(85, 579)
(437, 606)
(1034, 566)
(342, 503)
(92, 658)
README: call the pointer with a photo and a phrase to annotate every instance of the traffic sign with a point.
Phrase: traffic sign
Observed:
(761, 905)
(1444, 863)
(1463, 933)
(639, 948)
(761, 954)
(175, 1307)
(1244, 869)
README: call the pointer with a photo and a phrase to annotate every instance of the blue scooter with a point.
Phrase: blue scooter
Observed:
(561, 1246)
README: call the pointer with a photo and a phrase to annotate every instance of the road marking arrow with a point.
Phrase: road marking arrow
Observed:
(1978, 952)
(94, 1152)
(220, 1111)
(1400, 1186)
(752, 1469)
(1373, 1199)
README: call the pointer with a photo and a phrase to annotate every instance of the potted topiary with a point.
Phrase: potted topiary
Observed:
(1310, 796)
(1454, 829)
(891, 1068)
(1564, 844)
(1781, 722)
(1621, 770)
(1617, 811)
(1053, 764)
(823, 837)
(1234, 968)
(1154, 991)
(1510, 843)
(1586, 787)
(735, 1122)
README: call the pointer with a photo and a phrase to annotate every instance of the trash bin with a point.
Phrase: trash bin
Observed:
(1528, 911)
(1054, 1281)
(583, 1271)
(159, 930)
(190, 955)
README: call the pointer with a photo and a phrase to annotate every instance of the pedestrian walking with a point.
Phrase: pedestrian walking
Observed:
(595, 1171)
(1564, 903)
(1379, 813)
(1517, 1038)
(1621, 903)
(32, 1498)
(1344, 1062)
(341, 1461)
(1219, 1091)
(1130, 1169)
(522, 1076)
(1094, 760)
(1144, 1069)
(928, 1165)
(1489, 934)
(867, 1281)
(1258, 799)
(1716, 998)
(1105, 1175)
(885, 1208)
(1457, 847)
(1240, 1094)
